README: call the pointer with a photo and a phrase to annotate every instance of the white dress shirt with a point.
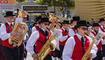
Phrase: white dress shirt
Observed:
(57, 33)
(33, 29)
(71, 32)
(32, 40)
(3, 33)
(97, 41)
(68, 49)
(61, 37)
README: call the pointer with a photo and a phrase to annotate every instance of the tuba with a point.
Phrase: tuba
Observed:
(20, 29)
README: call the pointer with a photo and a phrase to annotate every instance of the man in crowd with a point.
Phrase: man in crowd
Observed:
(38, 39)
(77, 45)
(102, 30)
(72, 30)
(10, 52)
(94, 32)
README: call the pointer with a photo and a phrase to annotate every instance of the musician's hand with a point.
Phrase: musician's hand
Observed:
(35, 57)
(89, 55)
(103, 37)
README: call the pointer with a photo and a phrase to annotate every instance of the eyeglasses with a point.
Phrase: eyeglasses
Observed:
(84, 28)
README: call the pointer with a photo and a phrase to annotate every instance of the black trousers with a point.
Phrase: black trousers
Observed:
(14, 54)
(2, 57)
(99, 56)
(103, 50)
(61, 50)
(56, 53)
(48, 57)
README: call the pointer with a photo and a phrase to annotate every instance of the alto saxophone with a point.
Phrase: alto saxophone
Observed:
(46, 48)
(20, 29)
(89, 49)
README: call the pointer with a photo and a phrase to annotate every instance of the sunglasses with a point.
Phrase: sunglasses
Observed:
(46, 24)
(84, 28)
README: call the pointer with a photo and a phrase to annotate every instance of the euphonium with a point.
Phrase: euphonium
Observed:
(20, 29)
(46, 48)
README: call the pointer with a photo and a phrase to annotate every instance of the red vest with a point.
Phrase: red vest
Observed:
(78, 50)
(5, 42)
(41, 41)
(99, 45)
(73, 30)
(102, 29)
(64, 34)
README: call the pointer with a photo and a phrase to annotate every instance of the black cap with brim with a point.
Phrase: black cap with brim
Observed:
(9, 13)
(101, 20)
(81, 23)
(38, 18)
(65, 22)
(44, 20)
(75, 18)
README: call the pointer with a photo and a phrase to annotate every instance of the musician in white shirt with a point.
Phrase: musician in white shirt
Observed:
(77, 45)
(38, 38)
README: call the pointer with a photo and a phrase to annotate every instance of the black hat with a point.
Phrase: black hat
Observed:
(101, 20)
(44, 20)
(65, 22)
(38, 18)
(81, 23)
(75, 18)
(88, 24)
(95, 24)
(9, 13)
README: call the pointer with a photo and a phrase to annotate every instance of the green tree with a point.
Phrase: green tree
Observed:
(60, 3)
(20, 1)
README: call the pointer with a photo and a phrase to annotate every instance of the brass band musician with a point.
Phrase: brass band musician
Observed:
(10, 52)
(77, 45)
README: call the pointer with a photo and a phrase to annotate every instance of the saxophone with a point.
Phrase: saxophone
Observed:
(46, 48)
(20, 29)
(98, 37)
(89, 49)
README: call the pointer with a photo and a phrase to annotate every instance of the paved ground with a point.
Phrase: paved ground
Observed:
(29, 57)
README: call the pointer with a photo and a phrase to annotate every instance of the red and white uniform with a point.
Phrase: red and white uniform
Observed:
(98, 42)
(5, 34)
(37, 39)
(63, 37)
(72, 31)
(73, 48)
(34, 28)
(102, 30)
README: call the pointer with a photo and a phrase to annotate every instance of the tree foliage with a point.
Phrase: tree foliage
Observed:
(61, 3)
(20, 1)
